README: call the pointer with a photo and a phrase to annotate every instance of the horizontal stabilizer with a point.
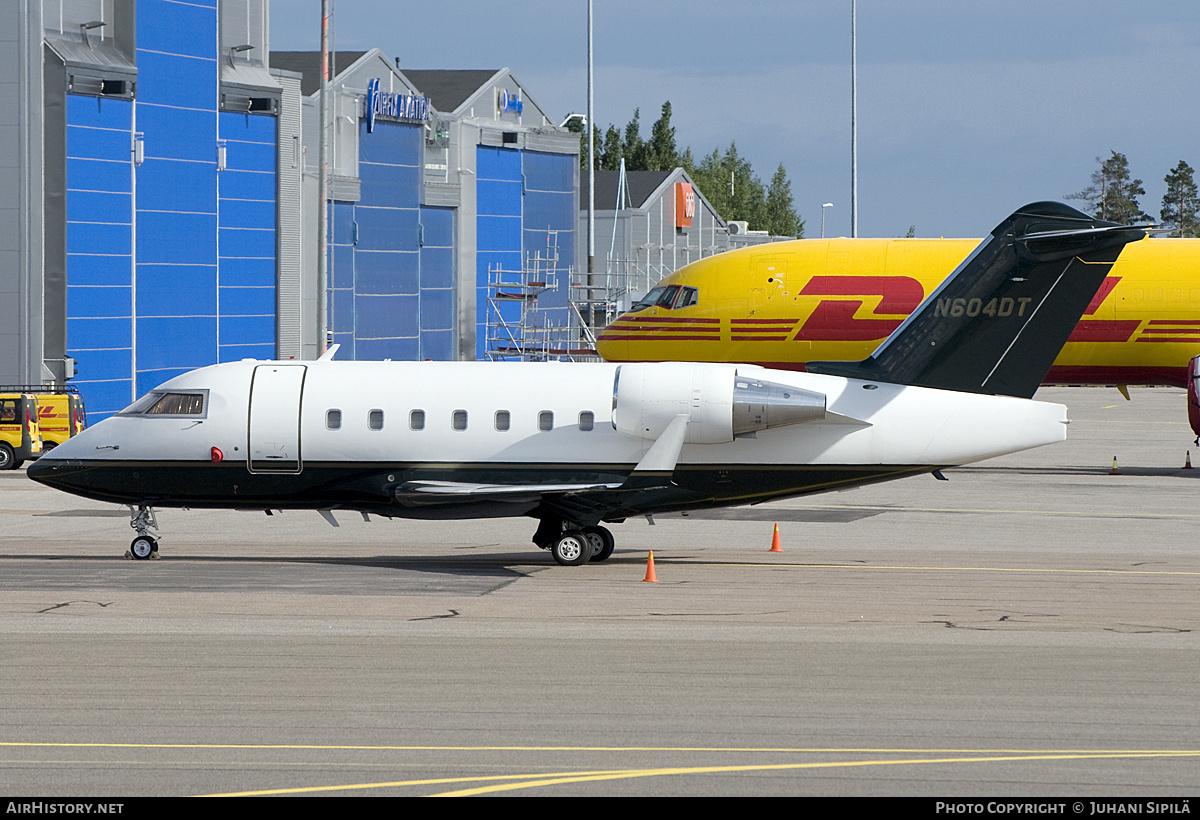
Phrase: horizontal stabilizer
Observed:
(997, 323)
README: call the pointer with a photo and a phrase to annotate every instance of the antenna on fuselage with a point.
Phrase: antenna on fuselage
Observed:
(327, 356)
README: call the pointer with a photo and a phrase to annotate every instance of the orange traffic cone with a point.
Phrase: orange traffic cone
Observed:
(1187, 461)
(775, 547)
(650, 570)
(1115, 471)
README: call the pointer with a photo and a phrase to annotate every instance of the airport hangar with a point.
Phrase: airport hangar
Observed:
(161, 167)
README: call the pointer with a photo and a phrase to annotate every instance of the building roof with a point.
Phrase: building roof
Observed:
(639, 184)
(308, 65)
(448, 89)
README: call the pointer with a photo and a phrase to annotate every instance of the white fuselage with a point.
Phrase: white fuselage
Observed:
(307, 427)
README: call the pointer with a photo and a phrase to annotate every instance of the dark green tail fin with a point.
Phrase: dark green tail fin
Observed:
(1000, 319)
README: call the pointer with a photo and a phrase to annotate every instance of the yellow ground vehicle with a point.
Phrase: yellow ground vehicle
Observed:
(60, 413)
(20, 436)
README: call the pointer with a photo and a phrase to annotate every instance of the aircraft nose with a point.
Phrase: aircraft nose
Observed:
(62, 474)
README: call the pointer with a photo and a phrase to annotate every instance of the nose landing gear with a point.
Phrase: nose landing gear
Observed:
(145, 546)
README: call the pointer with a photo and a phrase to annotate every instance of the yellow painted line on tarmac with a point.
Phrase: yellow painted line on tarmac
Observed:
(486, 784)
(533, 781)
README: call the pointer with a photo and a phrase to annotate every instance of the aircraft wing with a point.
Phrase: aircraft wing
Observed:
(457, 491)
(592, 502)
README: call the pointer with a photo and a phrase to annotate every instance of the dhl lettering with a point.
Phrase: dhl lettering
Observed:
(833, 320)
(995, 308)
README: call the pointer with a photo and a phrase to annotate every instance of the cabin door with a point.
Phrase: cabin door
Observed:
(275, 393)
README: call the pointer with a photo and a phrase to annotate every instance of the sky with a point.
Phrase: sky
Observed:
(966, 110)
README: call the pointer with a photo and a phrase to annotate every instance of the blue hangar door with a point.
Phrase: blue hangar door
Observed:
(275, 410)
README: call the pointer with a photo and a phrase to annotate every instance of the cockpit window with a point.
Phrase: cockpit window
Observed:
(190, 404)
(670, 297)
(648, 300)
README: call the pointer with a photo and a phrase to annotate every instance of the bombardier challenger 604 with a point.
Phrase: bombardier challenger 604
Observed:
(577, 445)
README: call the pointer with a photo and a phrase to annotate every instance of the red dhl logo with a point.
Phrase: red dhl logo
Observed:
(832, 320)
(51, 421)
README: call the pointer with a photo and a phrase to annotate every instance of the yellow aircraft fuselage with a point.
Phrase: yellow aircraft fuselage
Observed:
(787, 303)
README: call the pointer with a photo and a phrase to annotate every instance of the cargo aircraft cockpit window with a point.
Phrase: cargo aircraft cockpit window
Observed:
(192, 404)
(649, 300)
(670, 297)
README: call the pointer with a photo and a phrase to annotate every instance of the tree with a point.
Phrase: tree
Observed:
(610, 153)
(660, 151)
(727, 181)
(782, 219)
(1181, 202)
(730, 185)
(1113, 194)
(633, 148)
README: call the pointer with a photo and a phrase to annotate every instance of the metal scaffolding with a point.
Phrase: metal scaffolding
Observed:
(525, 322)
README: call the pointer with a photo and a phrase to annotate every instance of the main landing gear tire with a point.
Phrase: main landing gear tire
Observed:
(143, 548)
(572, 549)
(602, 542)
(8, 459)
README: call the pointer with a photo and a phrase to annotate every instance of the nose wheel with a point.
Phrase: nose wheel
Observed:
(145, 546)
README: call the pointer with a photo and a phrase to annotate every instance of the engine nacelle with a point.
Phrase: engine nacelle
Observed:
(720, 403)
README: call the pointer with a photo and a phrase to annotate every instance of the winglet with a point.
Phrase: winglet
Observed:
(997, 323)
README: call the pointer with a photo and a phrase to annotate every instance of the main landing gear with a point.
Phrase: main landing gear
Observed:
(572, 545)
(145, 546)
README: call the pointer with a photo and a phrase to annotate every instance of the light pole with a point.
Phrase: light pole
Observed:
(853, 119)
(823, 207)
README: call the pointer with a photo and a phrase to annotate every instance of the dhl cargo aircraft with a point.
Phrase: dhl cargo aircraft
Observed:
(784, 304)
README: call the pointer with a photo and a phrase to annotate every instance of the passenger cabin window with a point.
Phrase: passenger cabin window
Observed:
(416, 420)
(459, 420)
(545, 421)
(503, 421)
(587, 420)
(375, 419)
(333, 419)
(172, 404)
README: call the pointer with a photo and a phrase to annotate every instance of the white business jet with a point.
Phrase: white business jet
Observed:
(577, 445)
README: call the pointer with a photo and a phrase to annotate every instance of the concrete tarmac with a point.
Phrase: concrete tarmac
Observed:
(1026, 629)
